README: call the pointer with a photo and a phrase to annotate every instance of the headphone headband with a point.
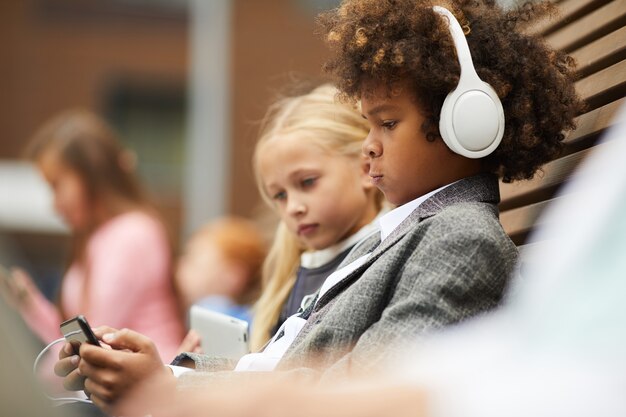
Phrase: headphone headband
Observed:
(460, 43)
(472, 119)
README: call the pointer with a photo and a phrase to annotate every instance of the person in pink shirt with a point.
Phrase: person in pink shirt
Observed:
(120, 264)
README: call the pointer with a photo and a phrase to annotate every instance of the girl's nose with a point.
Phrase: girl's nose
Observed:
(296, 207)
(371, 147)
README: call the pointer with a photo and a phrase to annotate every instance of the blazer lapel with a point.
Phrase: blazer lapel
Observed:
(376, 253)
(479, 188)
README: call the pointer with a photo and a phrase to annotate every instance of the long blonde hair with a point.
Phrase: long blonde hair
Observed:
(338, 128)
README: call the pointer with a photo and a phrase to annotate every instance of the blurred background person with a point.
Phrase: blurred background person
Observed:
(119, 270)
(220, 268)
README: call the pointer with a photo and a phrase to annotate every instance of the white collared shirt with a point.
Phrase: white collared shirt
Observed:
(390, 221)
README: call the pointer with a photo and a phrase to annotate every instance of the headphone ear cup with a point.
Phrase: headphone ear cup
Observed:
(445, 123)
(472, 120)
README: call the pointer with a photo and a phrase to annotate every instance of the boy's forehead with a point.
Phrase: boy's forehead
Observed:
(372, 90)
(383, 100)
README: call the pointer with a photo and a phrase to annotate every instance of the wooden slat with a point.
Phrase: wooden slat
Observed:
(602, 21)
(556, 172)
(543, 185)
(519, 222)
(594, 32)
(601, 53)
(590, 125)
(569, 11)
(604, 86)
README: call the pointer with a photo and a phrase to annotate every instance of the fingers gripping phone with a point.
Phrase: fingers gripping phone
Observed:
(77, 331)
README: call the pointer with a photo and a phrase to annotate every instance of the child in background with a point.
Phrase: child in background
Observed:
(309, 168)
(220, 268)
(119, 271)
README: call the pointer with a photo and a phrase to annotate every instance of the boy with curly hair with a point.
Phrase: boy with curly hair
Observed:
(441, 255)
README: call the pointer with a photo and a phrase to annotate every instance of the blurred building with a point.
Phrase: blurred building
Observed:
(184, 82)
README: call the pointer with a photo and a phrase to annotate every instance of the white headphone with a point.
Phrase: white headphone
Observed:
(472, 120)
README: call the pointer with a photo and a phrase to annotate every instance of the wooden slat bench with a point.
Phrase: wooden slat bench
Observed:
(594, 33)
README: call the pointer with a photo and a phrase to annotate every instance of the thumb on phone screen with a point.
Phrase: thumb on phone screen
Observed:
(126, 339)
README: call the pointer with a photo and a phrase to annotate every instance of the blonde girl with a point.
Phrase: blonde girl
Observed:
(309, 168)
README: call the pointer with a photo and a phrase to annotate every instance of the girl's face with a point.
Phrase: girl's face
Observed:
(322, 197)
(403, 164)
(70, 196)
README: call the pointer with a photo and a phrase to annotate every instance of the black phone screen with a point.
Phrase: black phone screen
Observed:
(77, 331)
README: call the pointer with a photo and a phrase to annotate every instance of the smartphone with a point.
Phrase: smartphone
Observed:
(77, 331)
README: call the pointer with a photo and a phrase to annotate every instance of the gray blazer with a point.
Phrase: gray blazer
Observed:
(449, 260)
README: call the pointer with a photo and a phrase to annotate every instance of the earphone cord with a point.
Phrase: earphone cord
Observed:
(36, 363)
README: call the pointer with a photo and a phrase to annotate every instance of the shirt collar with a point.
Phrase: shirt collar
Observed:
(390, 221)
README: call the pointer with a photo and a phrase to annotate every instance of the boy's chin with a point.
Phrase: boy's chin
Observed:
(394, 199)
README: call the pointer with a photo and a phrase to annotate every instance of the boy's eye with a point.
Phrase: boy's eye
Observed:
(389, 124)
(279, 196)
(307, 182)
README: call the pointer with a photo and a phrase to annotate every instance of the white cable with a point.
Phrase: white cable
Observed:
(38, 358)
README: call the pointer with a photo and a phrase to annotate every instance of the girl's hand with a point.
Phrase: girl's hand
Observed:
(191, 343)
(19, 289)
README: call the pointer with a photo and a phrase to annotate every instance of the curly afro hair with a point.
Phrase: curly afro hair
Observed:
(398, 41)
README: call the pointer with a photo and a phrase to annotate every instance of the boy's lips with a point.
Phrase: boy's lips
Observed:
(376, 178)
(307, 229)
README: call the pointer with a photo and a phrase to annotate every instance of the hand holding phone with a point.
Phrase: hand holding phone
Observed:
(77, 331)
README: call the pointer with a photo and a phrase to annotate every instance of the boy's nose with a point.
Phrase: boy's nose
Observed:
(371, 148)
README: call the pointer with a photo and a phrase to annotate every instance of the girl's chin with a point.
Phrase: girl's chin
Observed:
(313, 245)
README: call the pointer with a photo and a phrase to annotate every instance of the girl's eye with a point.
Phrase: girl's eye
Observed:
(389, 124)
(279, 196)
(307, 182)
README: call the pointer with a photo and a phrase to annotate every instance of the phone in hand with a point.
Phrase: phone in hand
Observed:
(77, 331)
